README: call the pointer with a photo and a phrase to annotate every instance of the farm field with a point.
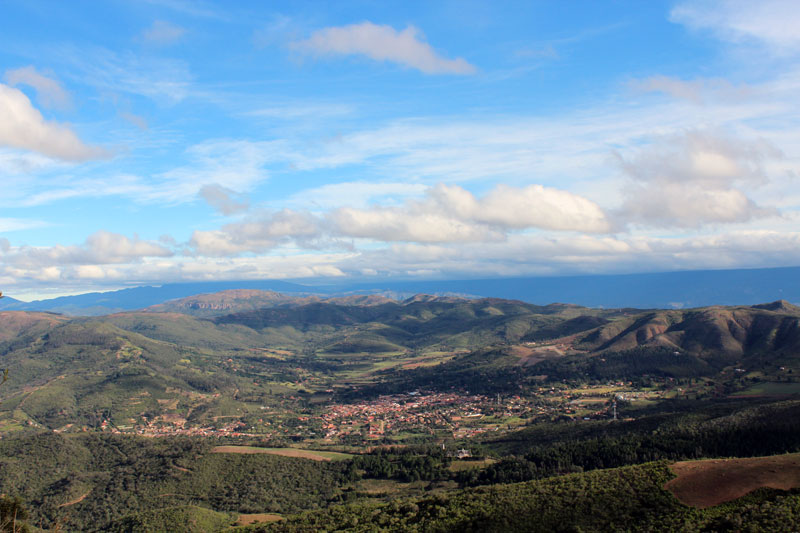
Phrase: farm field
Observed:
(285, 452)
(710, 482)
(257, 518)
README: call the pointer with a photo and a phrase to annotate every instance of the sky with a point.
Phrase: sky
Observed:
(153, 141)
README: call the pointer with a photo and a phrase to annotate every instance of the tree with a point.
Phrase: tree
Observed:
(13, 515)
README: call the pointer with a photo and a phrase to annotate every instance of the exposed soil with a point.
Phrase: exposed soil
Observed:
(304, 454)
(79, 499)
(710, 482)
(247, 519)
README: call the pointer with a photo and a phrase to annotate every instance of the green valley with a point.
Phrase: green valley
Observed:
(367, 414)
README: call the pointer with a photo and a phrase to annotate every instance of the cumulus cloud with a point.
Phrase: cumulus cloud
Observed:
(534, 206)
(257, 234)
(770, 22)
(695, 179)
(162, 33)
(100, 248)
(22, 126)
(383, 43)
(223, 199)
(446, 214)
(49, 92)
(397, 224)
(450, 213)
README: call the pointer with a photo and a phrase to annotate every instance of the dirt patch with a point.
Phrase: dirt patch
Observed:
(713, 481)
(520, 350)
(256, 518)
(79, 499)
(168, 403)
(285, 452)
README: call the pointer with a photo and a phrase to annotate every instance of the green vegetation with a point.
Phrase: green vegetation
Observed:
(183, 519)
(91, 480)
(253, 410)
(623, 499)
(718, 429)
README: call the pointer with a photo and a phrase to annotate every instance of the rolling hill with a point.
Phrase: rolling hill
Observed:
(124, 366)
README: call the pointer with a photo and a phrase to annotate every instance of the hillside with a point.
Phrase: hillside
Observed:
(623, 499)
(716, 333)
(738, 345)
(390, 382)
(244, 300)
(177, 367)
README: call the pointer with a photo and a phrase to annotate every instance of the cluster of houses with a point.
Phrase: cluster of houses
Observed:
(460, 414)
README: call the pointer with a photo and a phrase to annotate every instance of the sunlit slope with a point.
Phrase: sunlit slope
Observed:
(720, 332)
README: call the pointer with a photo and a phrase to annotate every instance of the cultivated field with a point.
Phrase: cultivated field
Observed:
(314, 455)
(257, 518)
(710, 482)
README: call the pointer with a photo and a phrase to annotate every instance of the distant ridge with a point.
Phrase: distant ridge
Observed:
(101, 303)
(665, 290)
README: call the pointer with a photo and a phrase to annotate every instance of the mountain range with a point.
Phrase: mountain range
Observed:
(225, 354)
(676, 290)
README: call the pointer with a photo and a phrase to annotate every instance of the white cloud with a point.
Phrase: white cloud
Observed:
(446, 214)
(397, 224)
(297, 110)
(100, 248)
(229, 164)
(261, 232)
(450, 213)
(699, 91)
(223, 199)
(519, 255)
(533, 206)
(16, 224)
(770, 22)
(49, 92)
(356, 194)
(695, 179)
(164, 80)
(527, 254)
(22, 126)
(383, 43)
(162, 33)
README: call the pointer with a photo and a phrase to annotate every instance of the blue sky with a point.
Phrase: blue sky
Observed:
(157, 141)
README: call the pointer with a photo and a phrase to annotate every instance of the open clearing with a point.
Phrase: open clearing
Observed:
(710, 482)
(770, 389)
(314, 455)
(461, 464)
(257, 518)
